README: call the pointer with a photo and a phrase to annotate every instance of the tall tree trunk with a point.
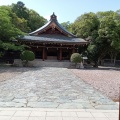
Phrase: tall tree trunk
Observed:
(103, 53)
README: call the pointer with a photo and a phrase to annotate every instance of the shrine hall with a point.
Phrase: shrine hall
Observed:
(52, 41)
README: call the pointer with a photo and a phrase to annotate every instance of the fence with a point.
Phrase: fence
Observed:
(109, 62)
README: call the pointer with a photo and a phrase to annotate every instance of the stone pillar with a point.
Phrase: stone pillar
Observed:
(60, 54)
(43, 54)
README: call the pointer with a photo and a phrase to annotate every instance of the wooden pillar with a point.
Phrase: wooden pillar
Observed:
(60, 54)
(43, 54)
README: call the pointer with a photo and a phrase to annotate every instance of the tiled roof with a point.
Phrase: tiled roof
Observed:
(52, 38)
(67, 37)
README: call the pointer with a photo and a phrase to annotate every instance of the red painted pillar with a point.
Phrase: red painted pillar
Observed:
(43, 55)
(60, 54)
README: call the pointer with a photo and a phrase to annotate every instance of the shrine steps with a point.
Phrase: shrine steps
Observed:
(45, 63)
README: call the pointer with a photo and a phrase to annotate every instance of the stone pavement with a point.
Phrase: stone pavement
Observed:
(56, 114)
(50, 87)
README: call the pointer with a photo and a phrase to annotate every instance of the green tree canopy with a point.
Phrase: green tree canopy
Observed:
(7, 29)
(102, 30)
(66, 25)
(30, 18)
(16, 20)
(85, 25)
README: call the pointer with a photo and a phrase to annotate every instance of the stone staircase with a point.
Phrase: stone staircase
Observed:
(46, 63)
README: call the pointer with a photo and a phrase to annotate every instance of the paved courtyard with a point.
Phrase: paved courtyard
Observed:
(50, 87)
(57, 114)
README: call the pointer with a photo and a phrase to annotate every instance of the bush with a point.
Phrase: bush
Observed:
(76, 58)
(27, 56)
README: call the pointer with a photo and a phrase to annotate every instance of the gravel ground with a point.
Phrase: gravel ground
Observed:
(7, 72)
(106, 80)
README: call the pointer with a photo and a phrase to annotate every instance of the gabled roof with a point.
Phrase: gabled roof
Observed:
(52, 23)
(52, 32)
(52, 38)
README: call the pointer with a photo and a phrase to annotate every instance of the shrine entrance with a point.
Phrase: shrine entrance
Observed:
(52, 53)
(56, 53)
(38, 54)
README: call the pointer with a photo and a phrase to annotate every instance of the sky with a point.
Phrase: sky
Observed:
(67, 10)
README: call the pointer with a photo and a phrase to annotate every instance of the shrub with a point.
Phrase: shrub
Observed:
(27, 56)
(76, 58)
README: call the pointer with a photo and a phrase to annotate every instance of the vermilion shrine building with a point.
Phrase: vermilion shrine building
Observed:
(52, 41)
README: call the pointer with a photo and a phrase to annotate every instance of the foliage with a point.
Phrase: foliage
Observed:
(66, 25)
(27, 56)
(93, 54)
(7, 28)
(85, 25)
(108, 34)
(11, 46)
(16, 20)
(76, 58)
(7, 46)
(30, 19)
(20, 10)
(1, 54)
(102, 30)
(35, 20)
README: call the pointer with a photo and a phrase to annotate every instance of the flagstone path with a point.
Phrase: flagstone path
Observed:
(50, 87)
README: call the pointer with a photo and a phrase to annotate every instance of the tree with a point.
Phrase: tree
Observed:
(85, 25)
(109, 34)
(102, 30)
(93, 54)
(6, 48)
(16, 20)
(20, 10)
(66, 25)
(27, 56)
(35, 20)
(29, 20)
(76, 58)
(7, 29)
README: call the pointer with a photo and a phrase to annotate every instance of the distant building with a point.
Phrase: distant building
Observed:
(52, 41)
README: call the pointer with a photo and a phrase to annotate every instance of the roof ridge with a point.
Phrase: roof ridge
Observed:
(53, 19)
